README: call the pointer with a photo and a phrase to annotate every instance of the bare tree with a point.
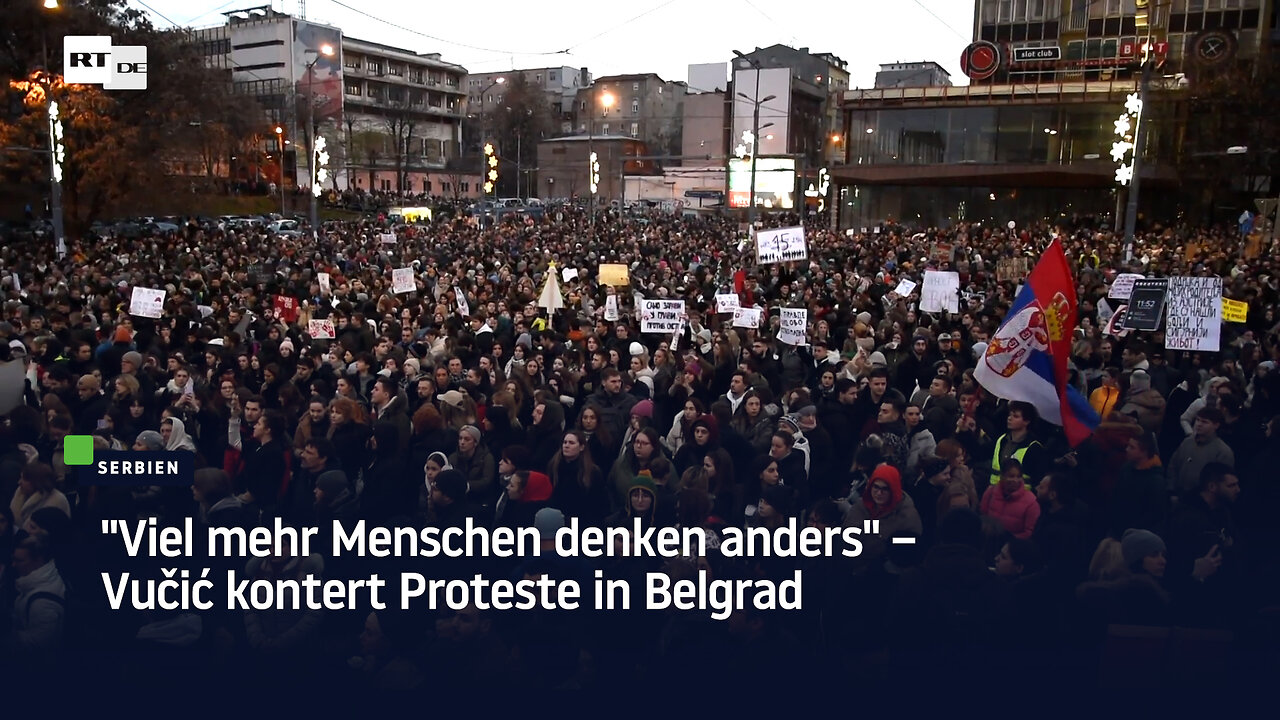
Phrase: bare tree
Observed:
(400, 123)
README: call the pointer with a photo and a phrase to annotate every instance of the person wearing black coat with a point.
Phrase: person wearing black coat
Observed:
(350, 440)
(265, 468)
(544, 437)
(388, 488)
(579, 489)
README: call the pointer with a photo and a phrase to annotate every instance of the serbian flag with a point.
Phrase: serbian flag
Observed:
(1027, 357)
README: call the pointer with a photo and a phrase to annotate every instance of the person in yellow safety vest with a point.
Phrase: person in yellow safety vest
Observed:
(1019, 444)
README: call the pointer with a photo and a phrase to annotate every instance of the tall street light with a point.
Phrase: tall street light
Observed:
(756, 102)
(325, 50)
(284, 197)
(483, 167)
(56, 148)
(593, 165)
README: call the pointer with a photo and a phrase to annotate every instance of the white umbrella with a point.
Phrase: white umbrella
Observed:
(550, 297)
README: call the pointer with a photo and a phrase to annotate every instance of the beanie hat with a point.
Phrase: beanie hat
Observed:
(122, 335)
(877, 359)
(931, 466)
(134, 358)
(471, 430)
(537, 488)
(412, 367)
(286, 343)
(694, 369)
(332, 483)
(519, 456)
(644, 409)
(636, 349)
(151, 440)
(1140, 380)
(548, 521)
(452, 484)
(864, 317)
(1137, 544)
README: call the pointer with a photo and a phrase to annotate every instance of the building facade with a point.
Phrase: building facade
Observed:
(563, 166)
(912, 74)
(705, 129)
(644, 107)
(561, 84)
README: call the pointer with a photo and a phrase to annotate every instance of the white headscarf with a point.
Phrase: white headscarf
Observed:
(178, 439)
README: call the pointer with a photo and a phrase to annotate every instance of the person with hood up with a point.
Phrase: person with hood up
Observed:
(1137, 596)
(1144, 402)
(526, 494)
(704, 437)
(174, 432)
(1010, 502)
(642, 503)
(476, 464)
(884, 501)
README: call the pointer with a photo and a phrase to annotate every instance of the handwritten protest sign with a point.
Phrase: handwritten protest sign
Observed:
(905, 288)
(388, 238)
(402, 280)
(660, 316)
(1122, 288)
(1012, 269)
(613, 274)
(1194, 320)
(726, 303)
(747, 317)
(325, 289)
(1234, 310)
(464, 309)
(286, 308)
(941, 292)
(792, 323)
(611, 308)
(321, 329)
(781, 245)
(146, 302)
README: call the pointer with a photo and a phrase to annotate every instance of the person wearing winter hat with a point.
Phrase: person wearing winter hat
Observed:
(527, 492)
(449, 499)
(286, 345)
(1143, 551)
(148, 440)
(642, 503)
(636, 349)
(883, 500)
(1144, 403)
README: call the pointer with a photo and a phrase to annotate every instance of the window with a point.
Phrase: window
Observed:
(434, 79)
(375, 67)
(426, 186)
(353, 88)
(635, 129)
(1079, 14)
(1110, 48)
(552, 77)
(635, 86)
(1075, 50)
(1036, 10)
(1006, 11)
(408, 185)
(538, 78)
(351, 62)
(416, 76)
(386, 186)
(444, 186)
(635, 107)
(499, 98)
(583, 105)
(659, 89)
(419, 99)
(604, 129)
(452, 81)
(989, 12)
(466, 186)
(397, 70)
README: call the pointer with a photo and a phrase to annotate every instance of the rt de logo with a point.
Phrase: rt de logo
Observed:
(93, 60)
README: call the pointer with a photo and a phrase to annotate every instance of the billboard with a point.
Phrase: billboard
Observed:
(323, 80)
(775, 182)
(774, 128)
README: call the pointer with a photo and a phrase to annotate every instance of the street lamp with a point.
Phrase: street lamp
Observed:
(314, 149)
(284, 197)
(56, 149)
(606, 101)
(756, 102)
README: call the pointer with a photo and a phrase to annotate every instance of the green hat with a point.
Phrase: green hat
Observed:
(643, 481)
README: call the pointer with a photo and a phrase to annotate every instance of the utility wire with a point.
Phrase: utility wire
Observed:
(440, 39)
(962, 36)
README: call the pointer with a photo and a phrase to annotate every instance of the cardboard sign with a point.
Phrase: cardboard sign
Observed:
(941, 292)
(905, 288)
(146, 302)
(464, 308)
(1013, 269)
(1194, 319)
(1146, 304)
(747, 317)
(323, 279)
(726, 303)
(387, 238)
(286, 308)
(1122, 288)
(781, 245)
(402, 280)
(615, 275)
(611, 308)
(661, 317)
(321, 329)
(1234, 310)
(569, 274)
(792, 325)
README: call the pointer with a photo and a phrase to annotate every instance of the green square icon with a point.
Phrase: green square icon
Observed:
(78, 450)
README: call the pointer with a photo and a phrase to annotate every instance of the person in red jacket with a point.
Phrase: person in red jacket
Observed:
(1010, 502)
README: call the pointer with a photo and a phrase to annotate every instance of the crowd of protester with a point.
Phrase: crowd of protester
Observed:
(516, 416)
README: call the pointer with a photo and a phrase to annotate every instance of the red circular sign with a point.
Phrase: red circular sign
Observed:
(980, 60)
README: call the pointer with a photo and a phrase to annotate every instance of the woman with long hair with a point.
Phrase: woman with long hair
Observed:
(579, 489)
(645, 447)
(349, 431)
(430, 435)
(682, 427)
(753, 422)
(603, 446)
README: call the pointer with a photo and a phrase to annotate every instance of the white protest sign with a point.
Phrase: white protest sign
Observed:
(324, 283)
(941, 292)
(747, 317)
(464, 308)
(388, 238)
(781, 245)
(792, 324)
(569, 274)
(17, 284)
(320, 329)
(1104, 311)
(611, 308)
(675, 339)
(661, 316)
(146, 302)
(402, 280)
(726, 303)
(905, 288)
(1122, 288)
(1194, 316)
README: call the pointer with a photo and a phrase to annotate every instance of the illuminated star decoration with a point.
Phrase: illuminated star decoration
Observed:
(1133, 104)
(1123, 126)
(1124, 174)
(322, 159)
(1119, 149)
